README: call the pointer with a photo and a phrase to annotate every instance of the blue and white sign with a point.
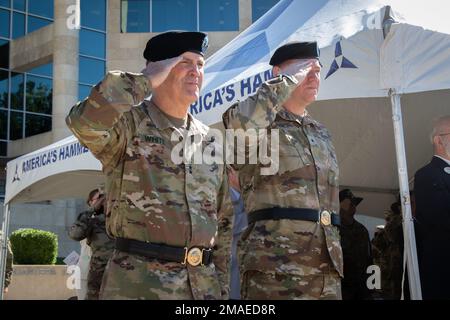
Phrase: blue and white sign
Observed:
(34, 174)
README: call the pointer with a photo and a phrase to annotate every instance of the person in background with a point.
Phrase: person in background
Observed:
(432, 218)
(356, 248)
(9, 263)
(90, 225)
(239, 225)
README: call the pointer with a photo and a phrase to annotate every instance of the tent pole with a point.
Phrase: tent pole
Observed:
(408, 225)
(4, 248)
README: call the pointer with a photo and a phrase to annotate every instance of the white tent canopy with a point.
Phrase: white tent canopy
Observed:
(413, 58)
(360, 66)
(354, 99)
(61, 170)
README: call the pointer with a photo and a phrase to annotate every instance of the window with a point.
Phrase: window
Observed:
(173, 14)
(4, 54)
(19, 5)
(4, 89)
(17, 88)
(37, 104)
(26, 98)
(39, 94)
(93, 14)
(135, 16)
(83, 91)
(35, 15)
(92, 43)
(43, 8)
(3, 148)
(36, 124)
(219, 15)
(44, 70)
(35, 23)
(5, 3)
(25, 105)
(3, 124)
(92, 49)
(18, 25)
(164, 15)
(16, 125)
(91, 70)
(4, 23)
(260, 7)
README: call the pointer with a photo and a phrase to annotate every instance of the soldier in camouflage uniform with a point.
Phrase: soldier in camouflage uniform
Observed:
(379, 247)
(90, 225)
(392, 271)
(388, 251)
(172, 221)
(291, 248)
(9, 263)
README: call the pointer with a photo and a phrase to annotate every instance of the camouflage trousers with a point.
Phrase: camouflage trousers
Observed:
(97, 267)
(258, 285)
(130, 276)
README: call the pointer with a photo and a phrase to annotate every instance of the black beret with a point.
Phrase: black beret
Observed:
(294, 50)
(174, 43)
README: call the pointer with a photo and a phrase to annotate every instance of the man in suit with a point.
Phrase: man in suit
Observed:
(432, 223)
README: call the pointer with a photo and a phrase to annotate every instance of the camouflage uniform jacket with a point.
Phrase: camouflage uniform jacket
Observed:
(9, 263)
(388, 255)
(92, 227)
(379, 249)
(307, 178)
(151, 198)
(392, 278)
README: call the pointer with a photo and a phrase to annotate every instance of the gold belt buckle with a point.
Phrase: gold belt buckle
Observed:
(325, 218)
(193, 256)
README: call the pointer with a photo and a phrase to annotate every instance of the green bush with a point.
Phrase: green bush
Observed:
(32, 246)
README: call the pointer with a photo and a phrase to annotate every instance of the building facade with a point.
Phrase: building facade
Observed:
(47, 64)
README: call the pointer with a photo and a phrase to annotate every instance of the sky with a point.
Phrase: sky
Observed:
(433, 14)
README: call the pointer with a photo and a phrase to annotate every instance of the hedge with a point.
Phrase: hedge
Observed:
(32, 246)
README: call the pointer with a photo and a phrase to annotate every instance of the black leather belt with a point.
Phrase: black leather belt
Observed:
(194, 256)
(325, 217)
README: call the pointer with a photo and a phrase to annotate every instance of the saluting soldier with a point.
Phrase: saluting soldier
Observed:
(171, 221)
(291, 249)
